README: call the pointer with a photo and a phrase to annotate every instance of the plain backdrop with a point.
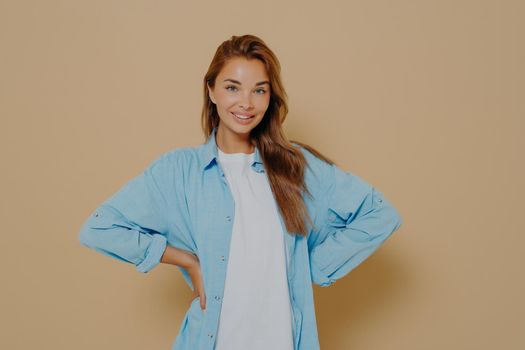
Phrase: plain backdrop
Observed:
(423, 99)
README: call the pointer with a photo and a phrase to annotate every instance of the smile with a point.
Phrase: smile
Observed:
(244, 117)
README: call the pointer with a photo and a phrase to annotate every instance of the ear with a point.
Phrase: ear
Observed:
(210, 92)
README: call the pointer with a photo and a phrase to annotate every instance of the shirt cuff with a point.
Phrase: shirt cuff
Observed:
(319, 277)
(155, 251)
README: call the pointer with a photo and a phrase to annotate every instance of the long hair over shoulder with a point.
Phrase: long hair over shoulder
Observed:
(284, 162)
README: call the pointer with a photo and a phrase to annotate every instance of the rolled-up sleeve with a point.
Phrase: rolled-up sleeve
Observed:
(132, 224)
(359, 219)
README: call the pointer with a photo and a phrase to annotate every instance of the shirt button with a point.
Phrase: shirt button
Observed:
(229, 218)
(217, 297)
(96, 214)
(222, 257)
(379, 200)
(210, 335)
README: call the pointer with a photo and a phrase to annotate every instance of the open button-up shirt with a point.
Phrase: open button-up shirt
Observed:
(182, 199)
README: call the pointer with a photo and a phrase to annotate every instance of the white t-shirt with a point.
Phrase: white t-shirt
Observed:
(256, 310)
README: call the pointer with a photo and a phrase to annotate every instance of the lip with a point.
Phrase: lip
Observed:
(244, 115)
(242, 121)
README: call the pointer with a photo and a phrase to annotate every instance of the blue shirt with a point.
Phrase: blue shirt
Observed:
(183, 199)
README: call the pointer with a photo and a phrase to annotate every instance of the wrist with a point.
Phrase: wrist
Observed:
(179, 257)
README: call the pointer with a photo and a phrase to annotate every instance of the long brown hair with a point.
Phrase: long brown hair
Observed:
(284, 162)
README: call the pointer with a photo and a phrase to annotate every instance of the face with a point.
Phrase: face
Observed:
(241, 95)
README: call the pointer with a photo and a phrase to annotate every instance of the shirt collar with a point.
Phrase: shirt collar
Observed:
(209, 154)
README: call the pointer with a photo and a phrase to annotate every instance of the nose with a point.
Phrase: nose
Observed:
(246, 102)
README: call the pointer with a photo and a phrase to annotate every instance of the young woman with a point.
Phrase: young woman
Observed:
(249, 217)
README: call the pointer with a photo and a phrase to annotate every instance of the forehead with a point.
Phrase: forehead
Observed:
(242, 69)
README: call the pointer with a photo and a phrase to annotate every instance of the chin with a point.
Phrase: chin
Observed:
(242, 129)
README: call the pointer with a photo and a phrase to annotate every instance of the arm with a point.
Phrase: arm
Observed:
(359, 218)
(132, 224)
(179, 257)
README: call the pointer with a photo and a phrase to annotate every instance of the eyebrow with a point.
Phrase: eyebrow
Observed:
(238, 82)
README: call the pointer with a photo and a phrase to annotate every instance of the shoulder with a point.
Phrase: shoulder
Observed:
(314, 163)
(171, 164)
(317, 171)
(177, 157)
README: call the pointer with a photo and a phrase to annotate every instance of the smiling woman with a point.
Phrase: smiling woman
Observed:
(234, 214)
(240, 101)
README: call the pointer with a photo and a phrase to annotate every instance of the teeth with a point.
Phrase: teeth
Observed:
(242, 117)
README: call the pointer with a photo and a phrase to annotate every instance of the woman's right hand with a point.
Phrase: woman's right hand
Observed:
(195, 273)
(191, 263)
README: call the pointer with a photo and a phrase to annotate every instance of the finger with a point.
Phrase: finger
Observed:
(203, 299)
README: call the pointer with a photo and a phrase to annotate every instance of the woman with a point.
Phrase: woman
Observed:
(250, 218)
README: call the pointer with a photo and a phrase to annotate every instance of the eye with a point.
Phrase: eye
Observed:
(262, 91)
(230, 86)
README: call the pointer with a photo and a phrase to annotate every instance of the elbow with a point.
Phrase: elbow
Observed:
(397, 219)
(84, 237)
(395, 215)
(392, 219)
(87, 235)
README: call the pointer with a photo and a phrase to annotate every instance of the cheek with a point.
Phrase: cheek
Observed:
(225, 100)
(264, 103)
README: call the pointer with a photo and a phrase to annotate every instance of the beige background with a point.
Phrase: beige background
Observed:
(424, 99)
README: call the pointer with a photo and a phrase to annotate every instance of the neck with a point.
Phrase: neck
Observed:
(230, 142)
